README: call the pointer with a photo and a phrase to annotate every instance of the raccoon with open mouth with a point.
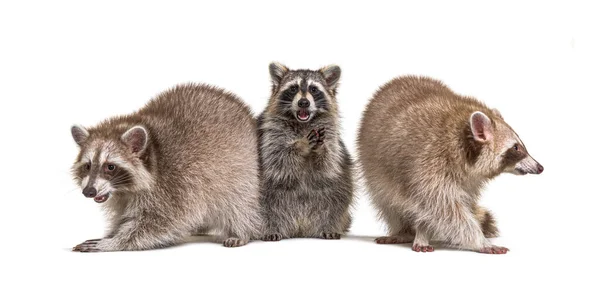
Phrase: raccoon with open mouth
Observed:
(186, 161)
(426, 153)
(306, 171)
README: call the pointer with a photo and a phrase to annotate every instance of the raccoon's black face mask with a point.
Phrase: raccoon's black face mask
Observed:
(303, 94)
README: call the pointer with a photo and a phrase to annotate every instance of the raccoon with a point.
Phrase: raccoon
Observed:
(306, 171)
(426, 153)
(187, 161)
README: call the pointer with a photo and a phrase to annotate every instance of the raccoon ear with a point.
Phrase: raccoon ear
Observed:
(497, 113)
(136, 138)
(79, 134)
(332, 75)
(277, 71)
(481, 126)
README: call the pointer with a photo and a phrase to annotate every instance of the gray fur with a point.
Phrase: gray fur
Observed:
(306, 171)
(191, 165)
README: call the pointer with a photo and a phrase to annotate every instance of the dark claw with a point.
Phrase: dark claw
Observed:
(272, 237)
(87, 246)
(331, 236)
(315, 137)
(232, 242)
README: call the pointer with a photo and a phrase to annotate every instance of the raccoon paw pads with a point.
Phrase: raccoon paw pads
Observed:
(316, 137)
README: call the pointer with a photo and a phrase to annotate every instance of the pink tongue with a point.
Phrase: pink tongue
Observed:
(303, 114)
(101, 199)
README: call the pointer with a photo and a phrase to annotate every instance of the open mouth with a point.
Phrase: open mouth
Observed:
(101, 198)
(520, 171)
(303, 115)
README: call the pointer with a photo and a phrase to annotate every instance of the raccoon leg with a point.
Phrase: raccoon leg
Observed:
(487, 221)
(421, 242)
(273, 224)
(136, 233)
(335, 217)
(461, 227)
(274, 227)
(119, 205)
(244, 223)
(399, 230)
(279, 222)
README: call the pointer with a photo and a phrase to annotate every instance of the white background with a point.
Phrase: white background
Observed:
(65, 63)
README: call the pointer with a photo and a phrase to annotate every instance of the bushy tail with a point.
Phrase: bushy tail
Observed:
(487, 222)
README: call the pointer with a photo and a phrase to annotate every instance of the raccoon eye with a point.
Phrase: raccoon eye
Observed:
(313, 90)
(516, 147)
(294, 89)
(87, 167)
(110, 167)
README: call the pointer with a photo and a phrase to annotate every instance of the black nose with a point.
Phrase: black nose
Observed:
(540, 169)
(89, 192)
(303, 103)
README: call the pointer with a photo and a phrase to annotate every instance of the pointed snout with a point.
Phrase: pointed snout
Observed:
(90, 192)
(529, 166)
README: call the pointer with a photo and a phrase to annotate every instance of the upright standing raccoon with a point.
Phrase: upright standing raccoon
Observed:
(185, 161)
(426, 153)
(306, 171)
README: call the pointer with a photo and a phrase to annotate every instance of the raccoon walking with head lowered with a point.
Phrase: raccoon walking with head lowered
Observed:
(425, 154)
(306, 171)
(186, 161)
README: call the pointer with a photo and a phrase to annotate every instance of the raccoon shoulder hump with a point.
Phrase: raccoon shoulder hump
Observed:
(412, 83)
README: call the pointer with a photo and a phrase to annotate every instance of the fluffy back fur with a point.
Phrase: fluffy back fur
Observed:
(306, 171)
(187, 160)
(426, 153)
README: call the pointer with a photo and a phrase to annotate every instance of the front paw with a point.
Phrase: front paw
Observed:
(234, 242)
(330, 235)
(273, 237)
(89, 246)
(316, 138)
(493, 250)
(422, 248)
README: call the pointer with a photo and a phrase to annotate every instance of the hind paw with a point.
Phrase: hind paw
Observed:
(422, 248)
(273, 237)
(398, 239)
(234, 242)
(330, 235)
(494, 250)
